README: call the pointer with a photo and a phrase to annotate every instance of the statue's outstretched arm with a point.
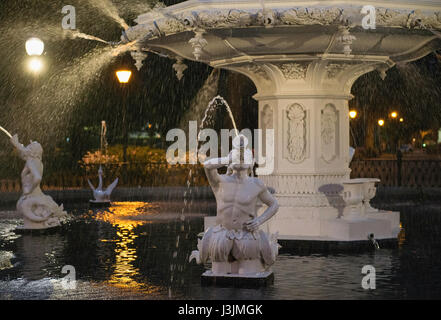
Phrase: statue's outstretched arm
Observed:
(20, 148)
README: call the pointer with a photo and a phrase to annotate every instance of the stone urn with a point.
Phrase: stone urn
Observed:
(353, 195)
(370, 190)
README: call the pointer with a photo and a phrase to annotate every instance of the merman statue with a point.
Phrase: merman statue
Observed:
(236, 246)
(39, 211)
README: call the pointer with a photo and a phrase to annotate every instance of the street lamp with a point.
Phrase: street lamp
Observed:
(381, 122)
(34, 49)
(394, 114)
(352, 114)
(123, 78)
(401, 120)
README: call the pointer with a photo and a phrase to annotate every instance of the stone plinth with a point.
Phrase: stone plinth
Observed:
(233, 280)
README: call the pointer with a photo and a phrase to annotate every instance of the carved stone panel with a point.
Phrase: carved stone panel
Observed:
(295, 133)
(266, 122)
(293, 71)
(329, 132)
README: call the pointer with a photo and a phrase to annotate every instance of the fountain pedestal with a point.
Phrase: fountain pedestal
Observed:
(305, 102)
(303, 58)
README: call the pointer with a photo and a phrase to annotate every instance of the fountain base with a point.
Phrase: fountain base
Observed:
(260, 279)
(324, 224)
(307, 246)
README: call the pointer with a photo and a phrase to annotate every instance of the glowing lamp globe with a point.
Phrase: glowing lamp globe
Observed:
(352, 114)
(34, 47)
(123, 76)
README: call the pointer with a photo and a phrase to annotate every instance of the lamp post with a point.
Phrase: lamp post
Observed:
(352, 115)
(34, 49)
(124, 78)
(380, 123)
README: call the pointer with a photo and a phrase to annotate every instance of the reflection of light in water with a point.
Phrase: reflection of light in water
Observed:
(401, 236)
(119, 215)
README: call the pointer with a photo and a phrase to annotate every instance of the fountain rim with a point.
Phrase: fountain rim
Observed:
(192, 9)
(202, 16)
(226, 4)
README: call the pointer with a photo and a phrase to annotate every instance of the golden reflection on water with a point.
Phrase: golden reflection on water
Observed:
(122, 215)
(401, 236)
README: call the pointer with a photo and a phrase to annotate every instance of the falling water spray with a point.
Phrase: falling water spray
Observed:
(6, 132)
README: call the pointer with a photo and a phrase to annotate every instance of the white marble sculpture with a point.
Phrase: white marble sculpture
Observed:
(100, 195)
(39, 210)
(236, 246)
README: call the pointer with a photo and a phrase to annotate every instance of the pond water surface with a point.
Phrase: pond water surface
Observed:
(140, 250)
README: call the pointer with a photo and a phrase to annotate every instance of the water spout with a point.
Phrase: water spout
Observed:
(110, 10)
(214, 102)
(77, 34)
(6, 132)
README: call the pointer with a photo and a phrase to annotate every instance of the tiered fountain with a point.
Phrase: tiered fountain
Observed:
(303, 57)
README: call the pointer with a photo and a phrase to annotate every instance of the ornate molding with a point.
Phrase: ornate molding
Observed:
(311, 16)
(163, 21)
(334, 69)
(306, 190)
(258, 70)
(139, 58)
(293, 71)
(198, 43)
(346, 39)
(329, 133)
(225, 18)
(179, 67)
(295, 117)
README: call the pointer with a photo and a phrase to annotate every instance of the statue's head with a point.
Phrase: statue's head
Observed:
(242, 158)
(34, 150)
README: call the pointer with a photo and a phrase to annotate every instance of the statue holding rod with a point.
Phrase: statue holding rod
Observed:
(39, 210)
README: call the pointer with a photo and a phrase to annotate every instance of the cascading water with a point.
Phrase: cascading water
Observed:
(109, 9)
(215, 102)
(77, 34)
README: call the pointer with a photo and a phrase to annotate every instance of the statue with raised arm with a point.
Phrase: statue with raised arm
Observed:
(39, 211)
(236, 245)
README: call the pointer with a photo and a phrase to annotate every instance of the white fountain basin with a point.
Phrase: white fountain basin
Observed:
(303, 57)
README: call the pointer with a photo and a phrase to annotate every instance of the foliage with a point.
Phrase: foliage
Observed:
(98, 157)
